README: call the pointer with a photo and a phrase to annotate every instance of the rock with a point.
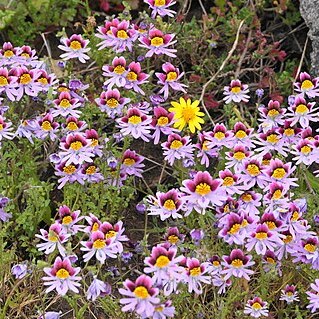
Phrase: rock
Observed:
(309, 10)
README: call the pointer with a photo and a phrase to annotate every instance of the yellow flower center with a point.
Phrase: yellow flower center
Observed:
(94, 142)
(173, 239)
(76, 145)
(46, 125)
(141, 292)
(159, 3)
(112, 102)
(237, 263)
(219, 135)
(203, 189)
(162, 261)
(287, 239)
(253, 169)
(157, 41)
(75, 45)
(169, 204)
(226, 208)
(273, 113)
(306, 85)
(67, 220)
(256, 306)
(295, 216)
(25, 55)
(240, 134)
(195, 271)
(159, 308)
(3, 81)
(310, 248)
(216, 263)
(171, 76)
(62, 273)
(302, 109)
(265, 162)
(162, 121)
(236, 89)
(228, 181)
(63, 89)
(247, 197)
(110, 234)
(53, 237)
(289, 132)
(135, 119)
(273, 138)
(205, 145)
(261, 235)
(289, 293)
(70, 169)
(239, 156)
(8, 54)
(279, 173)
(43, 81)
(95, 226)
(129, 161)
(277, 194)
(176, 144)
(271, 225)
(25, 78)
(1, 127)
(244, 223)
(99, 244)
(72, 126)
(234, 229)
(122, 34)
(270, 260)
(65, 103)
(119, 69)
(305, 149)
(131, 76)
(90, 170)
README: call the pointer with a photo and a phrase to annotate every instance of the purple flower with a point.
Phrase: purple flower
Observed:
(126, 256)
(98, 288)
(19, 270)
(313, 296)
(197, 235)
(259, 93)
(51, 315)
(4, 216)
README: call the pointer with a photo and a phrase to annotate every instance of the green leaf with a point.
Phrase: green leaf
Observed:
(6, 18)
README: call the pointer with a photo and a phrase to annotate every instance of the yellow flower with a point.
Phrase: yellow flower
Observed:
(187, 113)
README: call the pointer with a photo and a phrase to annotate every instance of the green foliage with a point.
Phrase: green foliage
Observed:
(32, 17)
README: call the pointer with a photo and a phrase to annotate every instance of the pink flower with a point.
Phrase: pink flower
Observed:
(62, 277)
(139, 296)
(75, 47)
